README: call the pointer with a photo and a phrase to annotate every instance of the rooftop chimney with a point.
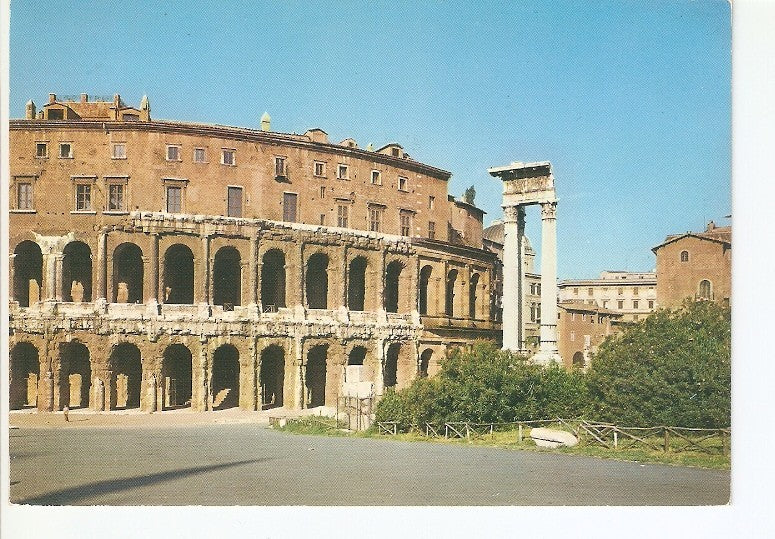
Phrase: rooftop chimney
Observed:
(30, 110)
(52, 98)
(84, 98)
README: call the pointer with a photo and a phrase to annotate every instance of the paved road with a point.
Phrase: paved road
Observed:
(254, 465)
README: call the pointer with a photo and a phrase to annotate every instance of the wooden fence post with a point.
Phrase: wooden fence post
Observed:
(723, 443)
(667, 439)
(519, 438)
(616, 440)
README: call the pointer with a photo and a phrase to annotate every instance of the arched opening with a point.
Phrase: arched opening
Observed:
(315, 376)
(273, 280)
(391, 365)
(356, 284)
(357, 356)
(24, 371)
(127, 274)
(425, 277)
(27, 273)
(705, 290)
(74, 375)
(392, 276)
(225, 377)
(76, 272)
(472, 296)
(227, 277)
(425, 361)
(449, 297)
(179, 275)
(127, 375)
(578, 360)
(176, 373)
(316, 283)
(272, 377)
(684, 256)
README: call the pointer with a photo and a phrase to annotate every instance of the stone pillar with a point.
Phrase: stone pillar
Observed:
(102, 266)
(11, 277)
(513, 230)
(154, 273)
(253, 266)
(298, 393)
(205, 269)
(548, 347)
(46, 396)
(379, 372)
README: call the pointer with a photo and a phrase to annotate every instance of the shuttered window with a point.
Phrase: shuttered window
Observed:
(289, 207)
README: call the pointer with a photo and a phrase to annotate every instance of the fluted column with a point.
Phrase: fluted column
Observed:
(513, 230)
(548, 347)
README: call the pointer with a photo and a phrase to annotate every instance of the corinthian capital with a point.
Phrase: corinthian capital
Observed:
(513, 214)
(549, 210)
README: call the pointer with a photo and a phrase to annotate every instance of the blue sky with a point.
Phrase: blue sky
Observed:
(630, 101)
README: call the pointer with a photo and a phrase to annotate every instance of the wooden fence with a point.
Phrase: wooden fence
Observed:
(660, 438)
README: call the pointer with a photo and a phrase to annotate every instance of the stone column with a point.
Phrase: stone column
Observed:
(298, 393)
(11, 277)
(205, 269)
(253, 269)
(548, 347)
(154, 267)
(379, 372)
(102, 266)
(59, 284)
(513, 230)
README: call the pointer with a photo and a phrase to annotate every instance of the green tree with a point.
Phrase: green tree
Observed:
(672, 368)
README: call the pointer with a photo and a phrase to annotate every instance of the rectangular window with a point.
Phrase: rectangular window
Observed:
(65, 150)
(342, 172)
(590, 291)
(174, 199)
(173, 153)
(342, 215)
(279, 166)
(375, 218)
(635, 291)
(41, 150)
(234, 206)
(406, 223)
(83, 197)
(229, 157)
(403, 183)
(119, 150)
(651, 304)
(56, 114)
(200, 155)
(322, 219)
(635, 304)
(322, 191)
(116, 198)
(24, 196)
(319, 169)
(575, 291)
(376, 177)
(620, 304)
(620, 291)
(431, 202)
(605, 302)
(431, 230)
(289, 207)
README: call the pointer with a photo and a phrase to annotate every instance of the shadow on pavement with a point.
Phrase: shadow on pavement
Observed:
(72, 495)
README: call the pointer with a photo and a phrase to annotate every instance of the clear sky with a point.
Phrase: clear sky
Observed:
(630, 101)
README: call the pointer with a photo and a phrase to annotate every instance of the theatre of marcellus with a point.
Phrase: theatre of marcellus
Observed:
(163, 264)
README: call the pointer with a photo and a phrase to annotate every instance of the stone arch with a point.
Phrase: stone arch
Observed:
(127, 374)
(273, 280)
(473, 299)
(356, 284)
(127, 273)
(177, 377)
(390, 374)
(357, 355)
(25, 374)
(392, 285)
(315, 375)
(227, 277)
(178, 275)
(705, 289)
(226, 376)
(27, 273)
(578, 360)
(76, 272)
(74, 375)
(425, 361)
(425, 277)
(272, 376)
(449, 296)
(316, 282)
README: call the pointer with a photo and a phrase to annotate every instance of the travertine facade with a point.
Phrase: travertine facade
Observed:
(631, 294)
(163, 264)
(696, 266)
